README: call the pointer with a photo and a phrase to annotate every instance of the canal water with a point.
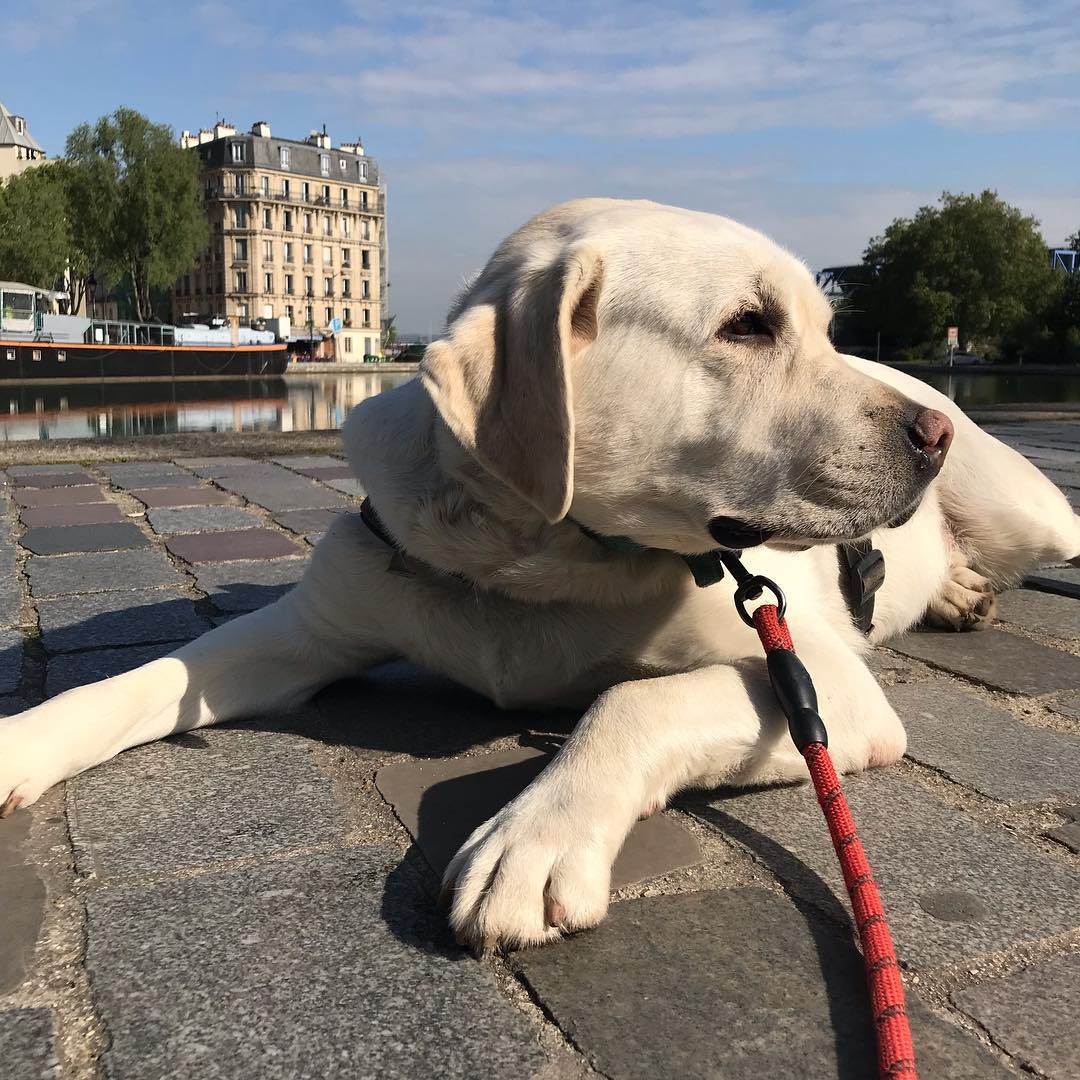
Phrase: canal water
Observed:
(321, 402)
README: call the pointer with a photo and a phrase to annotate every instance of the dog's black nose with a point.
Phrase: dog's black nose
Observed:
(931, 433)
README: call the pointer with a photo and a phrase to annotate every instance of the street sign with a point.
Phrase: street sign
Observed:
(335, 325)
(953, 338)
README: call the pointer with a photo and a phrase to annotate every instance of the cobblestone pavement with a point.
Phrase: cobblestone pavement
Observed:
(257, 900)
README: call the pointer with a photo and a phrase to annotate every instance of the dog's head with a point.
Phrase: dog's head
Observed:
(668, 376)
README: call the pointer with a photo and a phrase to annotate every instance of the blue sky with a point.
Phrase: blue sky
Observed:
(816, 122)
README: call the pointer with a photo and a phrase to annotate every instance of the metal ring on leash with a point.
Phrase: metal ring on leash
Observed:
(750, 589)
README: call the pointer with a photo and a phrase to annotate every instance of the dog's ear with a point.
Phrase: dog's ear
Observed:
(500, 378)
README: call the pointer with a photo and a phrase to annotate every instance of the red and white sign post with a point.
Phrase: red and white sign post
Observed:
(952, 340)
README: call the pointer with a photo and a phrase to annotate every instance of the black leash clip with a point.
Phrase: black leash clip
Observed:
(751, 586)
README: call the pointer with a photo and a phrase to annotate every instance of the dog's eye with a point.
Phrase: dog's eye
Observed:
(747, 325)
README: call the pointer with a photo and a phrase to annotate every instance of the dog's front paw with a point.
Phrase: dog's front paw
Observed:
(27, 768)
(966, 601)
(530, 873)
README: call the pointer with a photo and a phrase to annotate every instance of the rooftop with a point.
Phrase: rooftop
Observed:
(14, 132)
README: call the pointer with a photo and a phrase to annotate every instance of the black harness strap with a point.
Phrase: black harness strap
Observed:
(862, 571)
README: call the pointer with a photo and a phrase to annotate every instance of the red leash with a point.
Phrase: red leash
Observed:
(795, 692)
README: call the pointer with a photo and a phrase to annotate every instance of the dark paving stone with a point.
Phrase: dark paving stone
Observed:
(200, 799)
(996, 658)
(1033, 1015)
(156, 480)
(917, 846)
(76, 514)
(1055, 615)
(60, 540)
(11, 660)
(986, 748)
(124, 472)
(247, 586)
(1062, 580)
(180, 496)
(231, 545)
(22, 905)
(28, 1045)
(299, 462)
(77, 669)
(191, 519)
(733, 984)
(1069, 835)
(292, 494)
(60, 468)
(1067, 704)
(104, 571)
(440, 802)
(107, 619)
(214, 467)
(56, 480)
(306, 522)
(329, 965)
(58, 496)
(350, 486)
(330, 472)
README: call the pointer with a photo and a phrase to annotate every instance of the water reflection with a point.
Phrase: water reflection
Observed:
(970, 390)
(120, 410)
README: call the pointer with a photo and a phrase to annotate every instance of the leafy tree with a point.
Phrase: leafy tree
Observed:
(390, 331)
(134, 202)
(37, 243)
(973, 261)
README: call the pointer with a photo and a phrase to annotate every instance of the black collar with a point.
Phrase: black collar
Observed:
(862, 566)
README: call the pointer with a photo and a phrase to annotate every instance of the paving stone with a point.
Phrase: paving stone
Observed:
(191, 519)
(107, 619)
(1063, 580)
(67, 539)
(75, 514)
(1033, 610)
(918, 847)
(994, 657)
(125, 472)
(441, 801)
(329, 965)
(1067, 704)
(180, 496)
(214, 467)
(309, 461)
(1069, 835)
(292, 494)
(985, 748)
(11, 661)
(22, 902)
(69, 670)
(232, 544)
(28, 1044)
(56, 480)
(72, 496)
(247, 586)
(60, 468)
(329, 472)
(734, 984)
(104, 571)
(349, 487)
(200, 799)
(1032, 1015)
(306, 522)
(155, 480)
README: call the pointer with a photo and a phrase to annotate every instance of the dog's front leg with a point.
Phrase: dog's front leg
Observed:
(543, 863)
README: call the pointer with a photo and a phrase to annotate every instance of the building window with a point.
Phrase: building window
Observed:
(342, 164)
(288, 284)
(365, 260)
(307, 223)
(326, 194)
(365, 288)
(346, 257)
(324, 164)
(329, 315)
(237, 149)
(309, 286)
(367, 346)
(363, 200)
(346, 316)
(287, 222)
(242, 310)
(365, 229)
(268, 283)
(265, 185)
(238, 183)
(344, 226)
(305, 191)
(288, 251)
(241, 250)
(346, 287)
(345, 197)
(286, 188)
(283, 156)
(36, 354)
(348, 342)
(268, 219)
(361, 168)
(328, 256)
(268, 250)
(307, 253)
(328, 286)
(240, 217)
(11, 354)
(289, 312)
(327, 225)
(61, 355)
(366, 313)
(241, 281)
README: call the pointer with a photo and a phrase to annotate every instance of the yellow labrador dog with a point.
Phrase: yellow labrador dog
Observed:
(619, 369)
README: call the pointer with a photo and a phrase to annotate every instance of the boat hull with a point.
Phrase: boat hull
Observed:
(24, 361)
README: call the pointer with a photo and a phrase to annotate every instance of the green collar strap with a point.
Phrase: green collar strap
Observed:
(706, 568)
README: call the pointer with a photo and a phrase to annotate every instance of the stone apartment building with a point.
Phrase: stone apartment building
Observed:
(297, 230)
(18, 148)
